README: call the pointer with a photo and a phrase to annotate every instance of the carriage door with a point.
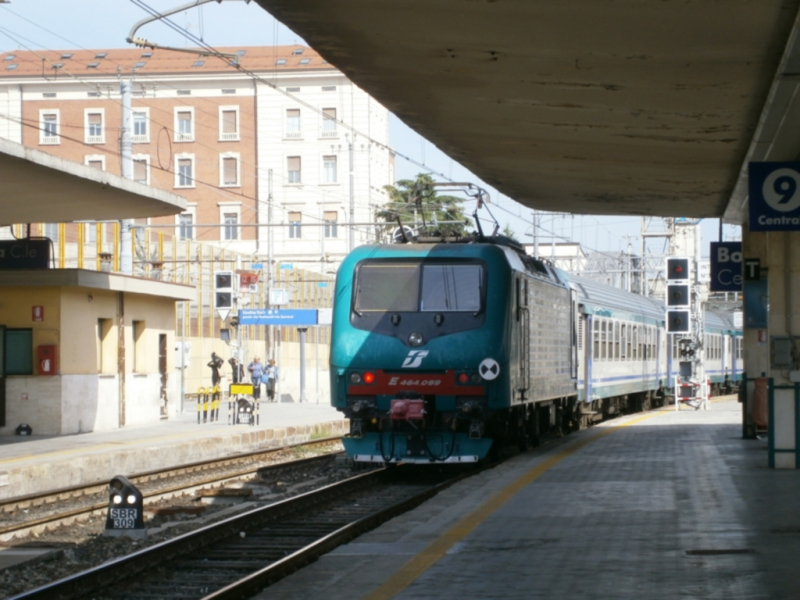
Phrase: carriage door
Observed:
(524, 333)
(576, 333)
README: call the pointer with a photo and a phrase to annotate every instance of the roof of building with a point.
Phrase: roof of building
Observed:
(111, 61)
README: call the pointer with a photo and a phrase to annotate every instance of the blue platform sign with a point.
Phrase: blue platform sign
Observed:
(774, 196)
(278, 316)
(726, 267)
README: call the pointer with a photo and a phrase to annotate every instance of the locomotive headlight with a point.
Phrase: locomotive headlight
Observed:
(415, 339)
(355, 378)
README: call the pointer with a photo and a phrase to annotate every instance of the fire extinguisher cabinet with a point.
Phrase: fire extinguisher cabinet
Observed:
(46, 360)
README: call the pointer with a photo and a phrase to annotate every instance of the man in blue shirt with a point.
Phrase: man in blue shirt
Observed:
(256, 374)
(272, 379)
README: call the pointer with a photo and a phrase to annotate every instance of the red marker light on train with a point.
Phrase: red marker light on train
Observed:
(463, 378)
(369, 377)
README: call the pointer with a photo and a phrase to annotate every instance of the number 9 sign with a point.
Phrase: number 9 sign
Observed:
(781, 190)
(774, 196)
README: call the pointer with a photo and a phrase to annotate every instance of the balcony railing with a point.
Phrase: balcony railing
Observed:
(140, 139)
(329, 133)
(229, 137)
(184, 137)
(95, 139)
(293, 135)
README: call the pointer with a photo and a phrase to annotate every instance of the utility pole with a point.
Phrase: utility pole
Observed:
(535, 235)
(126, 157)
(270, 267)
(350, 144)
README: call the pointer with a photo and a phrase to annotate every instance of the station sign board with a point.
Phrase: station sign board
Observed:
(278, 316)
(24, 254)
(726, 267)
(774, 196)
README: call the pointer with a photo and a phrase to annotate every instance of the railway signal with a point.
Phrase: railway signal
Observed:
(678, 295)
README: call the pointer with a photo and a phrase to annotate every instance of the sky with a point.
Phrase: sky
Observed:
(60, 25)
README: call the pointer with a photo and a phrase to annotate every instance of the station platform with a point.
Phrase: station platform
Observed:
(31, 464)
(661, 505)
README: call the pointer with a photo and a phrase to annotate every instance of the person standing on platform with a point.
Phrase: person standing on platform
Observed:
(256, 374)
(216, 365)
(272, 379)
(237, 370)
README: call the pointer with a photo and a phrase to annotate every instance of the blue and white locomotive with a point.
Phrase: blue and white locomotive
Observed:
(444, 351)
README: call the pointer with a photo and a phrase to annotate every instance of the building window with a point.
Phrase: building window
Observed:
(293, 168)
(329, 169)
(94, 127)
(185, 221)
(139, 349)
(229, 123)
(106, 347)
(230, 230)
(141, 133)
(184, 125)
(330, 218)
(18, 352)
(140, 170)
(49, 127)
(293, 123)
(96, 162)
(294, 225)
(229, 171)
(184, 171)
(329, 123)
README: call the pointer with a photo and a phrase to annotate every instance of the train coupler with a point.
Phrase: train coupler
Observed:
(475, 430)
(356, 428)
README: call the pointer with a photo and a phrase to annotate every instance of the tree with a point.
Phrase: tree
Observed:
(510, 233)
(418, 205)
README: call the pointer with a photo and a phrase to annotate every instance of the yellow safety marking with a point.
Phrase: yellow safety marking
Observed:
(423, 561)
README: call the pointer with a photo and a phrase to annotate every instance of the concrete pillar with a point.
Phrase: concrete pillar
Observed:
(783, 318)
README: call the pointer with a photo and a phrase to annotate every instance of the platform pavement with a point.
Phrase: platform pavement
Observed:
(39, 463)
(658, 506)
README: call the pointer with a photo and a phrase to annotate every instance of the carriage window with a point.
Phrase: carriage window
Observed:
(623, 337)
(596, 339)
(603, 340)
(636, 354)
(616, 341)
(387, 286)
(454, 288)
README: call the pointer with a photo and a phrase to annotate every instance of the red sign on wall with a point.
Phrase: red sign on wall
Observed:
(37, 313)
(247, 279)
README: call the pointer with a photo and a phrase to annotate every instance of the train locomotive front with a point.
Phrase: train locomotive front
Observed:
(426, 356)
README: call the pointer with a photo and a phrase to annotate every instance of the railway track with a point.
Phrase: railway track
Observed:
(242, 555)
(36, 512)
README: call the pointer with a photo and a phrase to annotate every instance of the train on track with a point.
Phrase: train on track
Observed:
(445, 351)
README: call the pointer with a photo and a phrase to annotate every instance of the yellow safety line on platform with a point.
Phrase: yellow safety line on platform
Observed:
(423, 561)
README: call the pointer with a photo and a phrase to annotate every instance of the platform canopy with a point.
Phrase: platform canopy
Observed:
(615, 107)
(36, 187)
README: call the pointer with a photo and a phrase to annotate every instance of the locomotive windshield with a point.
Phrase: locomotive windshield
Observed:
(411, 287)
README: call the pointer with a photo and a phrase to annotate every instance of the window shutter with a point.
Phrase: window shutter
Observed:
(294, 163)
(140, 170)
(229, 171)
(229, 121)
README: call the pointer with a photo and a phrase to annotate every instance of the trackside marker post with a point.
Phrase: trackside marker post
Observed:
(125, 510)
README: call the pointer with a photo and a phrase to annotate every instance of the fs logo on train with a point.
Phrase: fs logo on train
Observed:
(774, 196)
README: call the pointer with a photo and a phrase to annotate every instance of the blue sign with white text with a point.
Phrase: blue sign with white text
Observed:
(726, 267)
(774, 196)
(278, 316)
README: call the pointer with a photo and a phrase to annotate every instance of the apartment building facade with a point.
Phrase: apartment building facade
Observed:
(276, 152)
